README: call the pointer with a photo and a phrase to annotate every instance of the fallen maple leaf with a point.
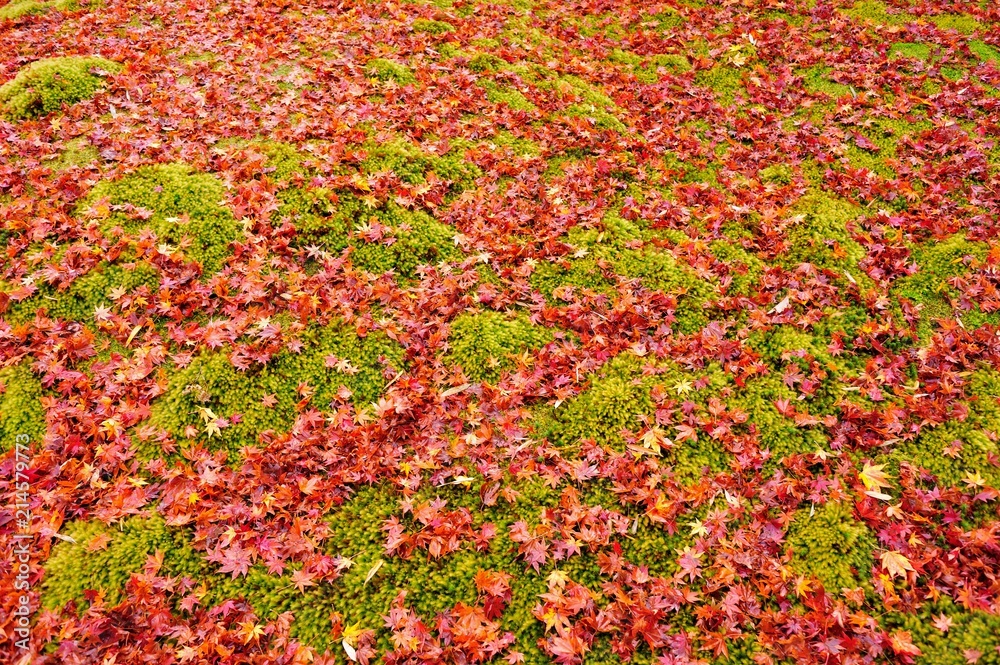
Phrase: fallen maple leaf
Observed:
(875, 479)
(896, 563)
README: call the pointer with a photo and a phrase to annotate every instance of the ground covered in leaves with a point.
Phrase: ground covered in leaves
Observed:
(519, 331)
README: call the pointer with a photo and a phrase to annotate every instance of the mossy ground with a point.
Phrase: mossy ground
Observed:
(832, 546)
(46, 85)
(683, 270)
(334, 364)
(102, 558)
(486, 343)
(22, 416)
(184, 209)
(18, 8)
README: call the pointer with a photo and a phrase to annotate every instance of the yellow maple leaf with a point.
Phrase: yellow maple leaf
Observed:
(873, 477)
(974, 479)
(251, 631)
(374, 569)
(654, 439)
(697, 528)
(895, 563)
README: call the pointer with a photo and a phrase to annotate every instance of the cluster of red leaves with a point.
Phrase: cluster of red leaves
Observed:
(564, 531)
(465, 634)
(146, 627)
(440, 533)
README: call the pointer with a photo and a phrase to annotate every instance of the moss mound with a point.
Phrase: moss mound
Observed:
(832, 546)
(607, 253)
(45, 85)
(183, 208)
(959, 449)
(96, 288)
(18, 8)
(433, 585)
(417, 239)
(937, 263)
(968, 634)
(412, 164)
(390, 70)
(820, 237)
(432, 27)
(484, 344)
(103, 558)
(21, 411)
(211, 388)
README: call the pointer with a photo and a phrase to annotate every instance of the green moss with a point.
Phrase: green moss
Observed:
(498, 94)
(432, 585)
(389, 70)
(975, 447)
(211, 387)
(656, 269)
(667, 19)
(660, 271)
(95, 288)
(817, 80)
(676, 62)
(601, 118)
(622, 57)
(319, 216)
(18, 8)
(581, 274)
(91, 563)
(957, 449)
(984, 51)
(522, 147)
(419, 240)
(832, 546)
(412, 164)
(777, 174)
(963, 23)
(967, 632)
(953, 73)
(878, 12)
(781, 341)
(76, 154)
(435, 585)
(777, 433)
(937, 262)
(451, 50)
(188, 210)
(285, 160)
(432, 27)
(591, 102)
(915, 50)
(45, 85)
(745, 268)
(484, 344)
(885, 133)
(21, 411)
(821, 238)
(706, 173)
(790, 19)
(619, 398)
(15, 10)
(724, 80)
(615, 400)
(486, 62)
(408, 238)
(647, 69)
